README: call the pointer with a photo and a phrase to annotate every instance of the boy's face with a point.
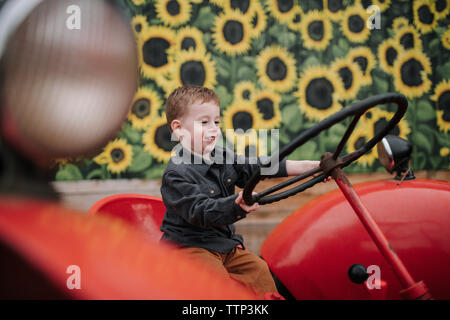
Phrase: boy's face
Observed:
(200, 127)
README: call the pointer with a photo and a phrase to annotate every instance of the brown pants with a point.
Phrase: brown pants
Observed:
(239, 264)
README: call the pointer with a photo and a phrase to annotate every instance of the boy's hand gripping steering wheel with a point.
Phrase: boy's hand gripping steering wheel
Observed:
(356, 110)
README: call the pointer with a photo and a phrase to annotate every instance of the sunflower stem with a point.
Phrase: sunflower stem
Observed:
(233, 73)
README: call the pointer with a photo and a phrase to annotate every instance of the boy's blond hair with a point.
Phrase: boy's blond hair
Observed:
(184, 96)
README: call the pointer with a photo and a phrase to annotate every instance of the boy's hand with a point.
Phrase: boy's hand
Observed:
(310, 165)
(240, 201)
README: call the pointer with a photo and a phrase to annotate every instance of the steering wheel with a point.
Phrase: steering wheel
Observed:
(356, 110)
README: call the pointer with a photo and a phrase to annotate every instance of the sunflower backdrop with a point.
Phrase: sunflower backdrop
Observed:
(284, 64)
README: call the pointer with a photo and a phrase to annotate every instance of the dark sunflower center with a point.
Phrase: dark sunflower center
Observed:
(154, 52)
(444, 104)
(355, 23)
(359, 142)
(425, 15)
(285, 5)
(441, 5)
(380, 124)
(188, 43)
(193, 73)
(251, 151)
(347, 77)
(242, 120)
(411, 72)
(297, 18)
(173, 7)
(163, 138)
(266, 107)
(319, 93)
(242, 5)
(335, 5)
(391, 55)
(138, 27)
(362, 62)
(141, 108)
(117, 155)
(407, 41)
(276, 69)
(366, 3)
(316, 30)
(233, 31)
(246, 94)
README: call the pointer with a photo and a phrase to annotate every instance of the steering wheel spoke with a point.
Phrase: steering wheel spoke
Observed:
(356, 110)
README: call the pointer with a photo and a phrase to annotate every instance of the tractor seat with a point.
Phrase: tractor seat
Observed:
(143, 211)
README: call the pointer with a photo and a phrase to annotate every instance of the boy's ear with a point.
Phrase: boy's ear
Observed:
(175, 124)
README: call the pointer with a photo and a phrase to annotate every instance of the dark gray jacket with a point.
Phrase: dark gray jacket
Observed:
(200, 199)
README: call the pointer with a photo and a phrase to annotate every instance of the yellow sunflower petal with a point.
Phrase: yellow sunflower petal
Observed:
(364, 57)
(117, 155)
(408, 37)
(388, 52)
(442, 98)
(268, 104)
(425, 18)
(351, 76)
(157, 140)
(231, 33)
(173, 12)
(353, 24)
(144, 107)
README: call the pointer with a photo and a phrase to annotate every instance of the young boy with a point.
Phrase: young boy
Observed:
(199, 194)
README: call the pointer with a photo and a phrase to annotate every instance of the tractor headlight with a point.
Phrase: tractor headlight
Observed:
(394, 153)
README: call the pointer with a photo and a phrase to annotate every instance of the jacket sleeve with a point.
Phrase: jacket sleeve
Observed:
(186, 199)
(245, 169)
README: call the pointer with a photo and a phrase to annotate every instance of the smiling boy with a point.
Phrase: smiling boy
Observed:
(200, 194)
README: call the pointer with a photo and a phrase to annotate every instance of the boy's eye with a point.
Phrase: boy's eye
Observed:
(217, 122)
(204, 122)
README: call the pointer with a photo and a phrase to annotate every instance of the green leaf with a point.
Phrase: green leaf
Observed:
(305, 152)
(425, 111)
(141, 160)
(444, 70)
(435, 161)
(420, 140)
(205, 19)
(69, 172)
(433, 47)
(155, 172)
(381, 85)
(312, 60)
(96, 173)
(224, 96)
(245, 73)
(292, 117)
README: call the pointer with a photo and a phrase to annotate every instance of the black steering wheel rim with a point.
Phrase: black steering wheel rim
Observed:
(357, 110)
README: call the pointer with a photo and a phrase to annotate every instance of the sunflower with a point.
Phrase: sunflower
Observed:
(258, 19)
(268, 104)
(351, 76)
(357, 139)
(157, 140)
(296, 22)
(117, 155)
(173, 12)
(316, 30)
(411, 71)
(442, 98)
(364, 57)
(444, 152)
(139, 24)
(192, 68)
(242, 119)
(388, 52)
(276, 68)
(154, 45)
(318, 92)
(446, 39)
(442, 8)
(425, 18)
(189, 38)
(353, 24)
(283, 10)
(399, 23)
(409, 38)
(334, 9)
(231, 33)
(144, 107)
(382, 4)
(375, 119)
(244, 91)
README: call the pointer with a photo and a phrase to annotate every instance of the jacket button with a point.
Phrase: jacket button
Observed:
(238, 217)
(228, 180)
(212, 191)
